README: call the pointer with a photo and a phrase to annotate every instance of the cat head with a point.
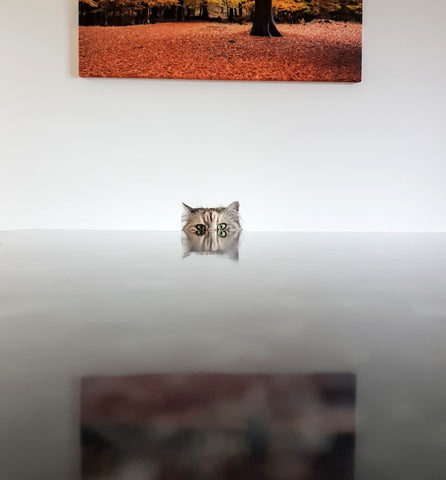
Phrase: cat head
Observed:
(222, 220)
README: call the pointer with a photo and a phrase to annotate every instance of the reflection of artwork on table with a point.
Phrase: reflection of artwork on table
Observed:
(218, 427)
(292, 40)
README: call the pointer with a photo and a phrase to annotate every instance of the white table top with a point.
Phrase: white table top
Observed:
(76, 303)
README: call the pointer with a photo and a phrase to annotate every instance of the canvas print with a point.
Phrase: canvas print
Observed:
(218, 427)
(305, 40)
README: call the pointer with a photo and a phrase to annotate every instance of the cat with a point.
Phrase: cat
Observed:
(212, 231)
(223, 220)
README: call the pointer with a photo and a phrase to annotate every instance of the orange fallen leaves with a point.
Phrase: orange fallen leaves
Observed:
(313, 52)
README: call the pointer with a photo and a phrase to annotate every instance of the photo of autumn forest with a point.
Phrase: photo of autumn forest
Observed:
(289, 40)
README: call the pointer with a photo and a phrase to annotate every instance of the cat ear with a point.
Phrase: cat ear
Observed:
(188, 209)
(233, 206)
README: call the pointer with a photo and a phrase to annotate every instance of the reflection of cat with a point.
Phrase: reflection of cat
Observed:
(221, 220)
(212, 243)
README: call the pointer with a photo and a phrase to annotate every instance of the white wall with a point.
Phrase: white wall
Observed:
(108, 153)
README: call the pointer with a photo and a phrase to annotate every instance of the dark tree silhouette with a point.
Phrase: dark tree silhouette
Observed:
(263, 24)
(180, 11)
(204, 10)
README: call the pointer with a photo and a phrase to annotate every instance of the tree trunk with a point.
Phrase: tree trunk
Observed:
(106, 12)
(263, 24)
(180, 11)
(205, 11)
(343, 10)
(145, 14)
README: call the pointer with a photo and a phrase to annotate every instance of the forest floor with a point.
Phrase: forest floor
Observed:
(312, 52)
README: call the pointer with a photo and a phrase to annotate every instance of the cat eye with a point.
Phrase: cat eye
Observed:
(201, 229)
(221, 226)
(221, 233)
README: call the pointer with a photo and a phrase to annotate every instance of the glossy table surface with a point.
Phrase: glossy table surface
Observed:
(77, 303)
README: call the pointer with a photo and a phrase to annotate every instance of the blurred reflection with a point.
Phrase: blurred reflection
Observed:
(218, 427)
(211, 243)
